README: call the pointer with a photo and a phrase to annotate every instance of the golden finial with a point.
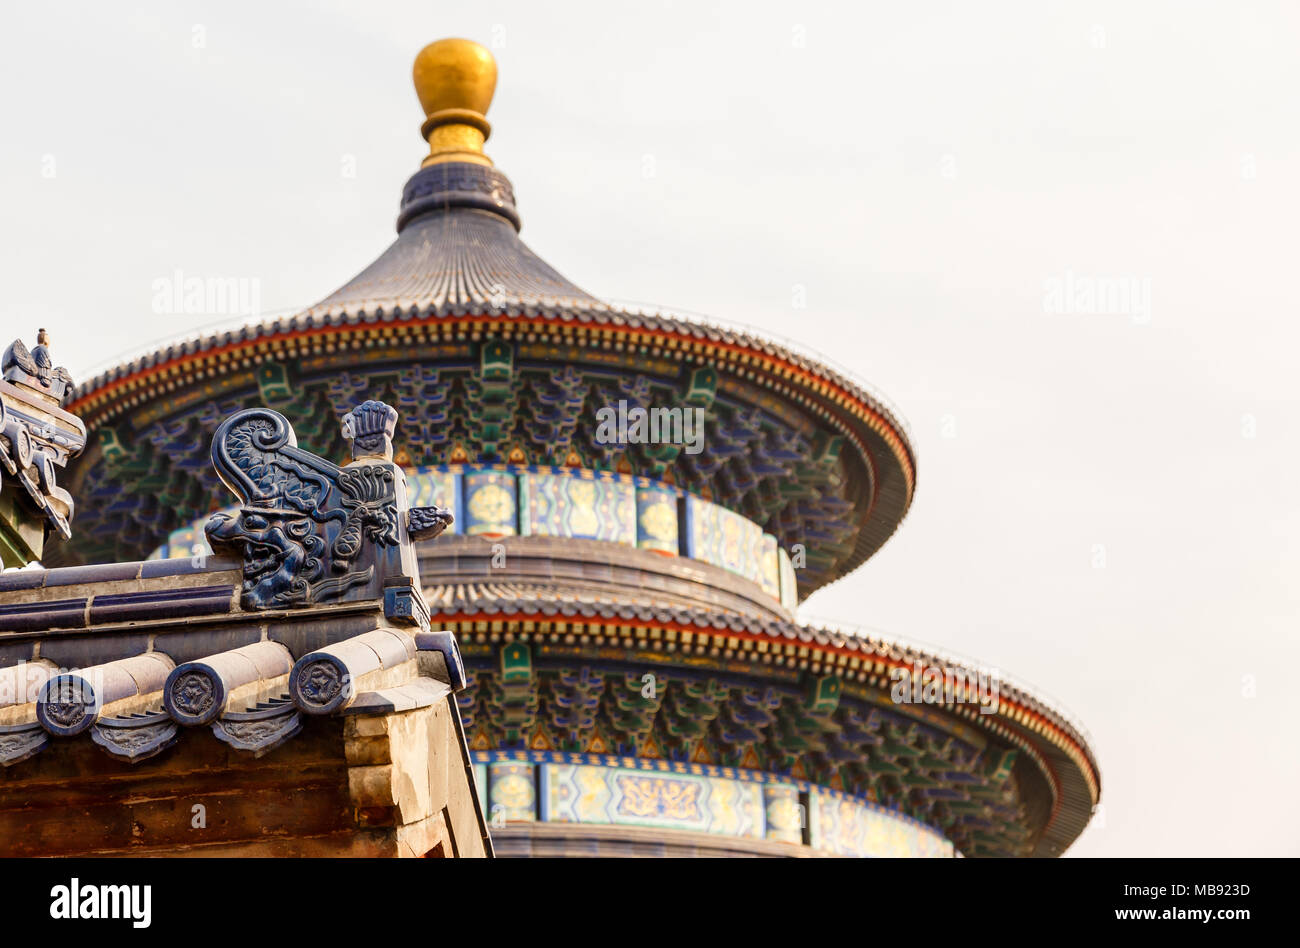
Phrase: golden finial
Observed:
(455, 79)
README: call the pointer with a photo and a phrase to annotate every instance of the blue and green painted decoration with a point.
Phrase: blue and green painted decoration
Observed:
(515, 500)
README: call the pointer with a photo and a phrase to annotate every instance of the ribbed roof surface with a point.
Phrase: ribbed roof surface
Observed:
(465, 257)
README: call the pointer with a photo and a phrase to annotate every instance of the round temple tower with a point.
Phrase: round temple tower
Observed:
(640, 503)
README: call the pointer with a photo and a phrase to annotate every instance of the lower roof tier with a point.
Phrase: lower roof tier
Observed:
(572, 646)
(550, 671)
(589, 667)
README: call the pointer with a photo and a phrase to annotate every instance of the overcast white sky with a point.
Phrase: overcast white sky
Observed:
(1107, 502)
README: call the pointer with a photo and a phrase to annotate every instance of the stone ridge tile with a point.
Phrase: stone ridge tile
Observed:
(183, 566)
(161, 604)
(37, 616)
(98, 573)
(115, 682)
(22, 579)
(268, 664)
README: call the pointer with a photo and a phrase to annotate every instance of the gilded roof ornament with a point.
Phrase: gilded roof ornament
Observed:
(455, 80)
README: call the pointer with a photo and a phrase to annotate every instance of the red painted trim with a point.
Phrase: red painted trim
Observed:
(1007, 721)
(749, 636)
(811, 380)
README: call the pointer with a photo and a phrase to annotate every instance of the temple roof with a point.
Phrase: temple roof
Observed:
(458, 253)
(458, 242)
(728, 652)
(315, 583)
(812, 456)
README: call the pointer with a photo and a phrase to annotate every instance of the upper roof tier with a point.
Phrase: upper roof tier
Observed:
(457, 246)
(494, 356)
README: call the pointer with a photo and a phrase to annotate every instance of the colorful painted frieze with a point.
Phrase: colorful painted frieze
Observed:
(605, 790)
(579, 793)
(429, 487)
(561, 502)
(561, 505)
(724, 538)
(489, 502)
(848, 827)
(656, 520)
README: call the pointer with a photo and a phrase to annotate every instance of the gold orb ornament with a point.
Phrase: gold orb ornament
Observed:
(455, 80)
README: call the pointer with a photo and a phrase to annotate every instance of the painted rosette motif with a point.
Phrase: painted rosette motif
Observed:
(490, 504)
(656, 520)
(785, 814)
(511, 792)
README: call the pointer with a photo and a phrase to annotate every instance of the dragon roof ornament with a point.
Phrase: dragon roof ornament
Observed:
(309, 531)
(37, 437)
